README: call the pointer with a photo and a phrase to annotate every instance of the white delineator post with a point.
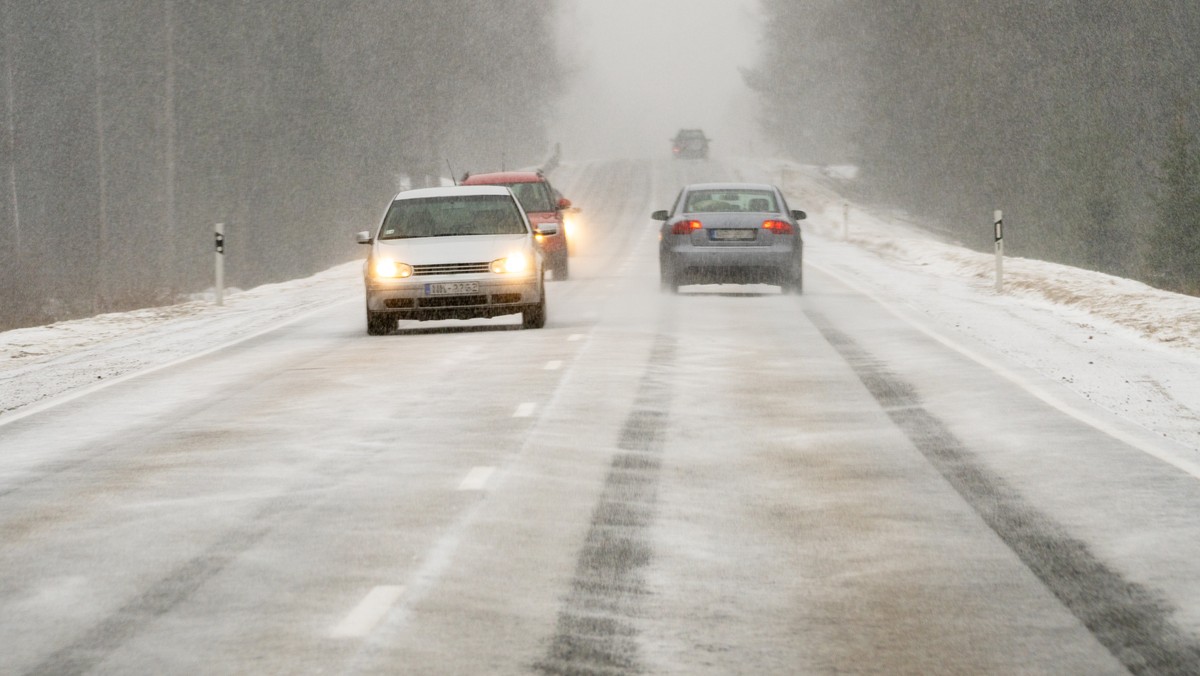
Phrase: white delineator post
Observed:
(219, 232)
(998, 231)
(845, 220)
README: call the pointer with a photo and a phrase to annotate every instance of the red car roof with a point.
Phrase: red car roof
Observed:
(504, 177)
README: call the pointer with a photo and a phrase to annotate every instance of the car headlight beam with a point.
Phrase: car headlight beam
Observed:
(517, 262)
(390, 269)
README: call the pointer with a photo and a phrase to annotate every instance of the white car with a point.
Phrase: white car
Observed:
(454, 253)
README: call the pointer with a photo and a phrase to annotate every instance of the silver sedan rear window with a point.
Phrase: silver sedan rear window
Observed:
(708, 201)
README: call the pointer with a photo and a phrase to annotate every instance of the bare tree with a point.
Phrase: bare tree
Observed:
(99, 294)
(10, 127)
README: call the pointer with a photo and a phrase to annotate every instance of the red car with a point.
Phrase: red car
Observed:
(544, 206)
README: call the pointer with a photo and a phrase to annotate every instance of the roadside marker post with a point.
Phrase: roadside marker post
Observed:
(219, 232)
(998, 231)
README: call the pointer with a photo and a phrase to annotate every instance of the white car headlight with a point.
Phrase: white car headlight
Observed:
(386, 267)
(517, 262)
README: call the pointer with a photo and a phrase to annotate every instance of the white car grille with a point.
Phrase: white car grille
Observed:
(450, 269)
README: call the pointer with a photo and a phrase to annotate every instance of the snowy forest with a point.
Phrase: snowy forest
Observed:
(1077, 118)
(131, 127)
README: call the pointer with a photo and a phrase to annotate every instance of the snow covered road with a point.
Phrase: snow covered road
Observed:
(898, 472)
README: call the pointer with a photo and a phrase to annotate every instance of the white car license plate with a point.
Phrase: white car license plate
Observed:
(740, 234)
(451, 288)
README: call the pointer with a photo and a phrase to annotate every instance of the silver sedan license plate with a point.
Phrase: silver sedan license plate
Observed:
(733, 234)
(451, 288)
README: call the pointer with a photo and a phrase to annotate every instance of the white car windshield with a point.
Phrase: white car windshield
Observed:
(452, 216)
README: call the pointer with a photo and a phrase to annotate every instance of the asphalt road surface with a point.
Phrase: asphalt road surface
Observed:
(728, 480)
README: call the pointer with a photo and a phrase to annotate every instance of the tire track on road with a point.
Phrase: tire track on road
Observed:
(90, 649)
(1129, 619)
(596, 631)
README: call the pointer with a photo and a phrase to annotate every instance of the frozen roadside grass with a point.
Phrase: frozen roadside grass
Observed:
(43, 362)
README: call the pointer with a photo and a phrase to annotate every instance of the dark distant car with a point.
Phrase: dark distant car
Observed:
(731, 233)
(690, 144)
(545, 207)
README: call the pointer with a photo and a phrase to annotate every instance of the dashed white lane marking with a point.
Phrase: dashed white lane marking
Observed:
(368, 612)
(476, 479)
(575, 336)
(525, 410)
(553, 365)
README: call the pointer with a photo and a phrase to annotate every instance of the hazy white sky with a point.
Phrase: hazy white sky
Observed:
(645, 68)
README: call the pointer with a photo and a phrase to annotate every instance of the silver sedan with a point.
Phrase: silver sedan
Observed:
(731, 233)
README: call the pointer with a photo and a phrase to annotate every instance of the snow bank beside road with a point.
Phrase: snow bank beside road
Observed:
(1128, 347)
(1162, 316)
(43, 362)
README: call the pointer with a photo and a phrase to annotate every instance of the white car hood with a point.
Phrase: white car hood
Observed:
(456, 249)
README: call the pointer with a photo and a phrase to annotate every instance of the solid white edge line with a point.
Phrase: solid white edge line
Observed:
(367, 614)
(524, 410)
(476, 479)
(52, 402)
(1189, 467)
